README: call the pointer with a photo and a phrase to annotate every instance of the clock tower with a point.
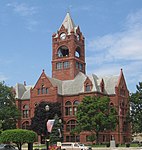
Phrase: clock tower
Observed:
(68, 53)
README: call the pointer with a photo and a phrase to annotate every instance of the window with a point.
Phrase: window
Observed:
(70, 125)
(38, 91)
(46, 90)
(76, 102)
(77, 52)
(87, 88)
(63, 51)
(59, 65)
(73, 138)
(42, 90)
(111, 104)
(25, 125)
(79, 66)
(25, 111)
(68, 108)
(66, 64)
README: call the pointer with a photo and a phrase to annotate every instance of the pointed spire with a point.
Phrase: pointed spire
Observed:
(68, 23)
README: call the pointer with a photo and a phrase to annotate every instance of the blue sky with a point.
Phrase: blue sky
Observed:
(112, 30)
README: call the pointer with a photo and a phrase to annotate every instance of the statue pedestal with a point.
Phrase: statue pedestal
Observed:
(112, 143)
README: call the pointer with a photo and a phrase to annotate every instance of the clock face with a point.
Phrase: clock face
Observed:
(62, 36)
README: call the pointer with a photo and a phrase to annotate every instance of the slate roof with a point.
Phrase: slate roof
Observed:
(73, 87)
(68, 23)
(22, 91)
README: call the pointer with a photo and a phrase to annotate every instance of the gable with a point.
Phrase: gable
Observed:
(42, 81)
(121, 85)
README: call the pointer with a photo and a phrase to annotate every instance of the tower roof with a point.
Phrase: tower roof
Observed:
(68, 23)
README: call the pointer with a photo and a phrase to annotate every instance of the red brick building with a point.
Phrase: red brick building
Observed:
(69, 84)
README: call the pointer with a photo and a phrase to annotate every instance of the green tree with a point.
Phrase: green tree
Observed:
(9, 114)
(136, 109)
(94, 114)
(41, 116)
(18, 136)
(56, 134)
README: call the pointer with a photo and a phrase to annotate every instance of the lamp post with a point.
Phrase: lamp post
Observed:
(59, 130)
(47, 134)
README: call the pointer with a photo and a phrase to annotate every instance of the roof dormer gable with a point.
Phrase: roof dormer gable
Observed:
(102, 85)
(88, 85)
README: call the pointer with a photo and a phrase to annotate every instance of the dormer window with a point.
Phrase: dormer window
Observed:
(63, 51)
(87, 87)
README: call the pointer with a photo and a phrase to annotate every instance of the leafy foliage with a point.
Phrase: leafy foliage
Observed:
(9, 114)
(136, 109)
(38, 122)
(55, 134)
(94, 114)
(18, 136)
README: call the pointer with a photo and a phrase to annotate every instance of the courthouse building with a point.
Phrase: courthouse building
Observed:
(70, 83)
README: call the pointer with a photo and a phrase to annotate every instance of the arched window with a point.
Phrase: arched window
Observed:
(77, 52)
(68, 108)
(42, 89)
(70, 125)
(63, 51)
(75, 104)
(25, 125)
(111, 104)
(25, 111)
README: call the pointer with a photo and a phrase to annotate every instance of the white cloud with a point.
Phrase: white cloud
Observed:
(125, 45)
(23, 9)
(120, 50)
(26, 12)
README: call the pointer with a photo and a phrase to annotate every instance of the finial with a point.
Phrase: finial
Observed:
(43, 70)
(24, 83)
(69, 7)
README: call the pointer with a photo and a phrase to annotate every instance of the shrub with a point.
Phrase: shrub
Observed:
(107, 144)
(127, 144)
